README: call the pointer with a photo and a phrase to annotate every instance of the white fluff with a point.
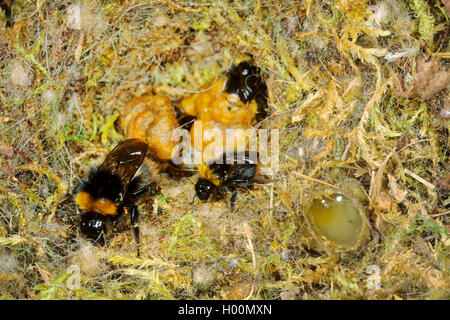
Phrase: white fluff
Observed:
(74, 17)
(393, 56)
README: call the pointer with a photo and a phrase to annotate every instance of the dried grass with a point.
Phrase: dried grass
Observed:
(330, 68)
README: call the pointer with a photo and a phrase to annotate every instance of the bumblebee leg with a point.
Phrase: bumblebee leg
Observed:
(134, 215)
(137, 193)
(233, 198)
(152, 188)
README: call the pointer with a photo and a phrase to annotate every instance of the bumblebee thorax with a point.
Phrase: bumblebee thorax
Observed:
(206, 173)
(100, 194)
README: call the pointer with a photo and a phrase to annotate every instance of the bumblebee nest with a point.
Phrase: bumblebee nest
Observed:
(357, 91)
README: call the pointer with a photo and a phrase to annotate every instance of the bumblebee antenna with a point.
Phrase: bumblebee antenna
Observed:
(100, 239)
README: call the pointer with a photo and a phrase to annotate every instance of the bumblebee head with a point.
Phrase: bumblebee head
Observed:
(94, 227)
(204, 188)
(245, 81)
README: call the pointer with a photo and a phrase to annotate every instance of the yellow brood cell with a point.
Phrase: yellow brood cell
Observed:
(212, 103)
(151, 118)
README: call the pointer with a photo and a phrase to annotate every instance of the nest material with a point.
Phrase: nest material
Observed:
(69, 67)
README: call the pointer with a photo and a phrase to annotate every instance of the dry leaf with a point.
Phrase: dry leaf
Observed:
(430, 79)
(395, 191)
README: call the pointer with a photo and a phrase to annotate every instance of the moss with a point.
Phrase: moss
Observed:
(64, 79)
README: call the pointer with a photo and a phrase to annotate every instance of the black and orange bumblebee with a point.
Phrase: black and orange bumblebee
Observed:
(235, 169)
(237, 100)
(245, 81)
(239, 96)
(112, 190)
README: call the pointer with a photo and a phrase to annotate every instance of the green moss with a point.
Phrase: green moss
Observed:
(426, 20)
(331, 93)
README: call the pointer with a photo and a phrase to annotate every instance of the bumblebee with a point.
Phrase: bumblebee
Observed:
(184, 121)
(112, 190)
(237, 99)
(245, 81)
(236, 169)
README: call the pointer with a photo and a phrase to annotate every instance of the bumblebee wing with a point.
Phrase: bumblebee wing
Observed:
(125, 159)
(241, 166)
(240, 157)
(244, 173)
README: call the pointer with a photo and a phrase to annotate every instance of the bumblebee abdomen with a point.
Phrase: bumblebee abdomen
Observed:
(101, 206)
(206, 172)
